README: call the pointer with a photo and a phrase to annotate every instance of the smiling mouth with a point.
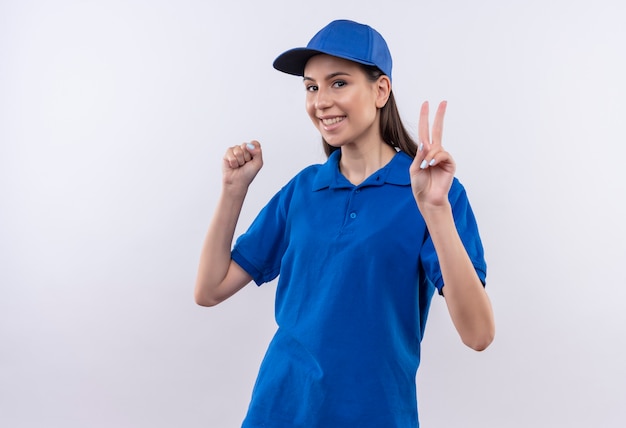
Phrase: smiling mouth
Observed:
(332, 121)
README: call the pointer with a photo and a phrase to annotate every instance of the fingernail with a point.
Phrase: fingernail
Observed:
(432, 162)
(420, 147)
(424, 164)
(250, 146)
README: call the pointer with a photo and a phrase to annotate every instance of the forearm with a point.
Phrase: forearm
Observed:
(468, 303)
(215, 257)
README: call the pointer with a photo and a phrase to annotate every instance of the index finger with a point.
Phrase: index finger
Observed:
(438, 123)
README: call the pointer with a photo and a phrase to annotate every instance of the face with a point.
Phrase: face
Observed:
(342, 102)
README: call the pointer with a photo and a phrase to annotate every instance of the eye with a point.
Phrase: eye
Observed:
(311, 88)
(339, 83)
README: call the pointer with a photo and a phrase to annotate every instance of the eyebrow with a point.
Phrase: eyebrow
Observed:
(329, 77)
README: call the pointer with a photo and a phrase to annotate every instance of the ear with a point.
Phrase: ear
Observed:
(383, 90)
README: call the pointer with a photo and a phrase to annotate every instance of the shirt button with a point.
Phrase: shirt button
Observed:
(352, 215)
(358, 190)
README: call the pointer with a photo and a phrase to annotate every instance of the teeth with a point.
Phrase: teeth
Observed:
(332, 121)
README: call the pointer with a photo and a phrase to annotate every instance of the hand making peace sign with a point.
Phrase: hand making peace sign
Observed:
(433, 168)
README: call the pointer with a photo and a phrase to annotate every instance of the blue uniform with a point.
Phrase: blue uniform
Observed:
(357, 272)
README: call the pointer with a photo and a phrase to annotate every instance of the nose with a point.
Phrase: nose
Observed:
(322, 99)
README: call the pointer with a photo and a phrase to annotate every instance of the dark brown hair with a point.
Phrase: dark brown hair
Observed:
(392, 129)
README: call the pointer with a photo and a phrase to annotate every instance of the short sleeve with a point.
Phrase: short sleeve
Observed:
(260, 249)
(467, 228)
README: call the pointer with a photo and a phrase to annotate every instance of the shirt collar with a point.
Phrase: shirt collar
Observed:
(395, 172)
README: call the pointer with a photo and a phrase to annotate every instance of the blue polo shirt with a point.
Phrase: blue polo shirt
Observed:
(357, 272)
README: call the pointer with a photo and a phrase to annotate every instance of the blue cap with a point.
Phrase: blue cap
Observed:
(343, 39)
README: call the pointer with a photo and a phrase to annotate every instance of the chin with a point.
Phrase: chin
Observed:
(334, 142)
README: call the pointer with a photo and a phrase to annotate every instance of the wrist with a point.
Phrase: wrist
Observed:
(436, 213)
(236, 191)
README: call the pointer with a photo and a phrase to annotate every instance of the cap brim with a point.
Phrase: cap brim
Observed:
(293, 61)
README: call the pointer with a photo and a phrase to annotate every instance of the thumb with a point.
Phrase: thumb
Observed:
(254, 148)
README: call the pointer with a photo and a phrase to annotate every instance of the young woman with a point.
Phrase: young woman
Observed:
(359, 243)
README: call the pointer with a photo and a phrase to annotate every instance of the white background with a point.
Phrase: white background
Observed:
(114, 116)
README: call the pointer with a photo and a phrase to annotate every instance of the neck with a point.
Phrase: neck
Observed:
(359, 162)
